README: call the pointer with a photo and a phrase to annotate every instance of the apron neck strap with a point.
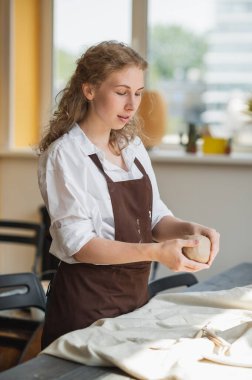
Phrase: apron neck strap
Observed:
(97, 162)
(140, 166)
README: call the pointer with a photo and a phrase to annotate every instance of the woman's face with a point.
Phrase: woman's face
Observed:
(117, 99)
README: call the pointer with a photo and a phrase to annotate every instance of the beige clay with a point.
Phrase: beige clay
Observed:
(199, 253)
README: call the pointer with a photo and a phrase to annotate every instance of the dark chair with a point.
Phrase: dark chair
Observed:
(18, 232)
(172, 281)
(154, 269)
(21, 290)
(49, 262)
(20, 335)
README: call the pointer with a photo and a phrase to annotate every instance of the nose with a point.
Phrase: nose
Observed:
(131, 103)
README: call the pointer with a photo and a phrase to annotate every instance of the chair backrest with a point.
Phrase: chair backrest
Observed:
(172, 281)
(21, 290)
(24, 233)
(49, 262)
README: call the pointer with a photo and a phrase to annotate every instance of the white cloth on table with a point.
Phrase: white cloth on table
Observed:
(178, 336)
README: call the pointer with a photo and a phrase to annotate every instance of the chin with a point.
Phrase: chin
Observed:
(119, 128)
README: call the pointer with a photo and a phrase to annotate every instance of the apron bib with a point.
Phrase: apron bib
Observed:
(82, 293)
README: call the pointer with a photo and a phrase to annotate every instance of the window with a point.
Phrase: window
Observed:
(81, 23)
(20, 24)
(200, 55)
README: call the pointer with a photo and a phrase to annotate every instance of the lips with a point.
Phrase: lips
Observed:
(123, 118)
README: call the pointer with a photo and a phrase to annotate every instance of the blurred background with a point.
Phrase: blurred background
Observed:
(200, 63)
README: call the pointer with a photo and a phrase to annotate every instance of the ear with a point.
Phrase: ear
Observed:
(88, 91)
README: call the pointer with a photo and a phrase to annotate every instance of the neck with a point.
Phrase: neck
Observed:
(97, 134)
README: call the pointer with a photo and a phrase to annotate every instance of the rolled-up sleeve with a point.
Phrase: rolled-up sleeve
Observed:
(70, 208)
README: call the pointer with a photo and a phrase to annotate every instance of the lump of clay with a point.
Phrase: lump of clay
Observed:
(199, 253)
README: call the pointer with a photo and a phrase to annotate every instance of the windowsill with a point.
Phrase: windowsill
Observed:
(170, 150)
(18, 153)
(161, 154)
(164, 153)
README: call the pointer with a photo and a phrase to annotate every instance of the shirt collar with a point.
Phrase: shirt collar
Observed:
(88, 148)
(86, 145)
(129, 154)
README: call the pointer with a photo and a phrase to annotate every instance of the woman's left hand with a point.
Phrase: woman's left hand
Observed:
(212, 235)
(170, 227)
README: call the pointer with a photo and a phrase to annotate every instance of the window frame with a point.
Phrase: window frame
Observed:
(8, 96)
(139, 42)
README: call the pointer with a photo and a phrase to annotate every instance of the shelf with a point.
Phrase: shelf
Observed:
(164, 155)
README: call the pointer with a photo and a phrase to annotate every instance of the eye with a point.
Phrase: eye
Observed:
(138, 93)
(121, 93)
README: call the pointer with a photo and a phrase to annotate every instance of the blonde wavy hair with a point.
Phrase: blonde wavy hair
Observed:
(93, 67)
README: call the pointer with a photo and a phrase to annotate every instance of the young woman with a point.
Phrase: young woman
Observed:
(100, 190)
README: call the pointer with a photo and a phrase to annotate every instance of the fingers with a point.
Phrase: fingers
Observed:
(194, 266)
(186, 264)
(215, 245)
(189, 242)
(171, 255)
(214, 237)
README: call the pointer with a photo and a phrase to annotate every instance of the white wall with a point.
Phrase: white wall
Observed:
(213, 193)
(19, 199)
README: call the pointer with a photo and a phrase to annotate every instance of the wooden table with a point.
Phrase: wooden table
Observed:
(46, 367)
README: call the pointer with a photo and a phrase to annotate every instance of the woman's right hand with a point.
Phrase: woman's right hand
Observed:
(169, 253)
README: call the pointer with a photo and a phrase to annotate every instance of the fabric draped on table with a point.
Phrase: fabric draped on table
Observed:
(179, 336)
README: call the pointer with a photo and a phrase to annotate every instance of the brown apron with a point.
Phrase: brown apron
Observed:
(82, 293)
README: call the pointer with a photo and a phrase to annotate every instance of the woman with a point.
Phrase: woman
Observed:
(100, 190)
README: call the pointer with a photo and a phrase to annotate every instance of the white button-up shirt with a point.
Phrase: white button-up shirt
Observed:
(76, 195)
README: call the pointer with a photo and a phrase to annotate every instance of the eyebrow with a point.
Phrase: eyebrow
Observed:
(125, 85)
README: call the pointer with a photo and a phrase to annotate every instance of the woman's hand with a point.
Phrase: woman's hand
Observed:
(169, 253)
(212, 235)
(170, 227)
